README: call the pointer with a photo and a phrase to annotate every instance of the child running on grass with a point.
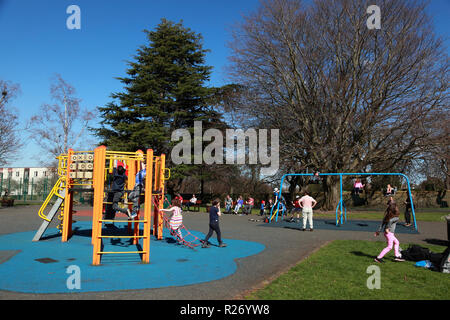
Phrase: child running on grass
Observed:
(388, 226)
(391, 217)
(176, 220)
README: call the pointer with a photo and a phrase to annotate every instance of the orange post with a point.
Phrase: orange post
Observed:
(155, 187)
(162, 168)
(95, 178)
(148, 207)
(137, 168)
(132, 170)
(68, 202)
(99, 189)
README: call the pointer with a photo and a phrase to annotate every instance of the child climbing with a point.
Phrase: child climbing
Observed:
(135, 195)
(119, 180)
(388, 226)
(279, 199)
(176, 220)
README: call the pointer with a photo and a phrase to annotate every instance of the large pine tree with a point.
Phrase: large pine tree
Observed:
(164, 90)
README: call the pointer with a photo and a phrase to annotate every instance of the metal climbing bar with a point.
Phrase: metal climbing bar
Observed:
(88, 171)
(341, 192)
(133, 165)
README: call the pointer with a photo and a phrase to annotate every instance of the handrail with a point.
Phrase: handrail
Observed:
(168, 177)
(53, 192)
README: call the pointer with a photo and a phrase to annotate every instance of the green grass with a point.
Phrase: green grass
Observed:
(431, 214)
(422, 214)
(338, 271)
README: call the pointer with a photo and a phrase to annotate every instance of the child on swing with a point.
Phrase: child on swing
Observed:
(176, 220)
(388, 226)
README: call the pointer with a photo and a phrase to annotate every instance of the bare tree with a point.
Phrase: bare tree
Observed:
(9, 138)
(344, 97)
(61, 125)
(434, 161)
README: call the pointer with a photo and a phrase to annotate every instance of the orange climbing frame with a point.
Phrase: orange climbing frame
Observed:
(154, 183)
(154, 186)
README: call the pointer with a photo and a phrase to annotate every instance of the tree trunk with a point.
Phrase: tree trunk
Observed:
(331, 192)
(293, 183)
(202, 186)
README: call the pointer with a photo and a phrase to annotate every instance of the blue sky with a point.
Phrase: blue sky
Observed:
(36, 44)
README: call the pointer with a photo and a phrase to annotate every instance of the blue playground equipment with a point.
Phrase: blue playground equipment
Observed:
(341, 210)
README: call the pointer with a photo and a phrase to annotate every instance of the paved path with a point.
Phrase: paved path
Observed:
(284, 248)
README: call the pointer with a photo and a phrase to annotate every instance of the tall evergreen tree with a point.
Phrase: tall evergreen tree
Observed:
(164, 90)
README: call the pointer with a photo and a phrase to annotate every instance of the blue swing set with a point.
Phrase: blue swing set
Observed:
(341, 210)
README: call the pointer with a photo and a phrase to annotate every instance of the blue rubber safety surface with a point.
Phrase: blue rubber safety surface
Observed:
(350, 225)
(43, 267)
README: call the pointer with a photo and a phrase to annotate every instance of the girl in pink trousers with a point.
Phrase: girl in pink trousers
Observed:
(391, 215)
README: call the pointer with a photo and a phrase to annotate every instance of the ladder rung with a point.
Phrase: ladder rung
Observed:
(122, 237)
(123, 220)
(118, 202)
(119, 252)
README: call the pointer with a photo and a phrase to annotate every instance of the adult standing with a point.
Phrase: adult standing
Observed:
(407, 209)
(307, 203)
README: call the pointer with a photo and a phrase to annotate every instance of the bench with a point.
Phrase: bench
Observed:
(189, 205)
(7, 202)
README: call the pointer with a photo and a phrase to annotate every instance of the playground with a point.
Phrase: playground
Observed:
(125, 246)
(257, 253)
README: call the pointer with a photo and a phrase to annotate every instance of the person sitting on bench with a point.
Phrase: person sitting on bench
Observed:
(390, 191)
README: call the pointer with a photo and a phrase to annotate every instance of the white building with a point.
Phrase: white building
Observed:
(24, 175)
